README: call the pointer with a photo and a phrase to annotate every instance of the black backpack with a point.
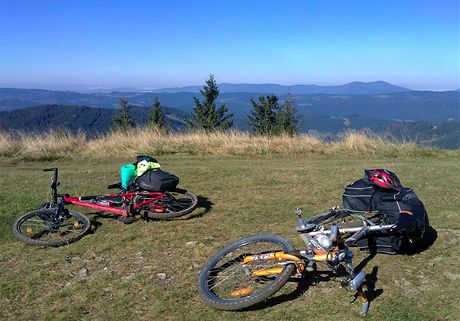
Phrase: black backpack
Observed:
(155, 181)
(401, 207)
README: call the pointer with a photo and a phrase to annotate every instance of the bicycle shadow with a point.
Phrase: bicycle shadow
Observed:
(371, 280)
(303, 284)
(313, 279)
(95, 224)
(203, 203)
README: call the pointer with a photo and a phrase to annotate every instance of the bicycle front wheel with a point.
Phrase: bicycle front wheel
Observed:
(231, 281)
(175, 204)
(39, 228)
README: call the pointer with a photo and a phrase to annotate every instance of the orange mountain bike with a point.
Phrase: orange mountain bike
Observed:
(252, 269)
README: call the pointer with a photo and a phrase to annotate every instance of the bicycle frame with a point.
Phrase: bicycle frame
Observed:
(127, 205)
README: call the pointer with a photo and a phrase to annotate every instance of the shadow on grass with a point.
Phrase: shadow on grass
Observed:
(312, 279)
(95, 224)
(429, 237)
(303, 284)
(371, 280)
(205, 204)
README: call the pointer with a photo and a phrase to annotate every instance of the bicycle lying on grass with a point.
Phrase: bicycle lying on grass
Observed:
(252, 269)
(54, 225)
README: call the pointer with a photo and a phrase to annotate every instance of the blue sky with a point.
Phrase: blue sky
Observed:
(151, 44)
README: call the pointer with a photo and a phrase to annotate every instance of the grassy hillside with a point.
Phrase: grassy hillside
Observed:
(112, 273)
(55, 145)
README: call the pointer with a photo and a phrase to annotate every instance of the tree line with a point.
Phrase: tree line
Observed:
(268, 116)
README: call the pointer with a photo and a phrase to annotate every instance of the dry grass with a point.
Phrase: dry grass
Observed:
(48, 146)
(58, 145)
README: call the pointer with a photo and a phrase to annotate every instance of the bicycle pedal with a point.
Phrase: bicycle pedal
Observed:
(126, 220)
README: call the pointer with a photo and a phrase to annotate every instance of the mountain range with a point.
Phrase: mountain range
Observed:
(325, 109)
(353, 88)
(404, 106)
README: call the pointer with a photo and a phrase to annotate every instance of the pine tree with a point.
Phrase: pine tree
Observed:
(157, 116)
(206, 116)
(287, 120)
(122, 121)
(263, 119)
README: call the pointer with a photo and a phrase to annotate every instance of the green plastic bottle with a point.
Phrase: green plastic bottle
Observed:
(128, 172)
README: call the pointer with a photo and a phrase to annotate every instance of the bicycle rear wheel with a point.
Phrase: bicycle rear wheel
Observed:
(230, 282)
(37, 227)
(175, 204)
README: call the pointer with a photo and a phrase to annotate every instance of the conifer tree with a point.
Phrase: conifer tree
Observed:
(263, 119)
(157, 116)
(287, 120)
(122, 121)
(206, 116)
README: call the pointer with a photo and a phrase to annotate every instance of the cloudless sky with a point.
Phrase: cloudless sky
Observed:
(150, 44)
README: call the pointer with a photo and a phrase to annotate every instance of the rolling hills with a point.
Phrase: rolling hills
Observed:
(408, 105)
(353, 88)
(91, 120)
(378, 106)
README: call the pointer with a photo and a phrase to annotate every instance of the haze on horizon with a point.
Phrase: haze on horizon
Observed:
(75, 45)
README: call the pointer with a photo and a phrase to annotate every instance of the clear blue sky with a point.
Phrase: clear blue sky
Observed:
(66, 44)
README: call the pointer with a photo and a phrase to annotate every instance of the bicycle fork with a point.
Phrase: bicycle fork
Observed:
(335, 258)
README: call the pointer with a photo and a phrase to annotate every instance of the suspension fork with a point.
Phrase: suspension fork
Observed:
(58, 213)
(355, 282)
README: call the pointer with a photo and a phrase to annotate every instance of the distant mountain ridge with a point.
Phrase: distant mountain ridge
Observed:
(353, 88)
(409, 105)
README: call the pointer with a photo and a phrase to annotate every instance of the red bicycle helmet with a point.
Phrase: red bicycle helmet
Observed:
(383, 178)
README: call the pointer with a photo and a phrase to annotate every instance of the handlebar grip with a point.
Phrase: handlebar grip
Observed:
(357, 236)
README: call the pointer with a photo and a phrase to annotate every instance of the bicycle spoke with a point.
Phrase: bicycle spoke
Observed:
(227, 277)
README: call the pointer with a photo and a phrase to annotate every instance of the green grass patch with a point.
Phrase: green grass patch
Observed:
(245, 195)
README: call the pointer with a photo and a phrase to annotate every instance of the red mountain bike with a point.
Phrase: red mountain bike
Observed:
(55, 225)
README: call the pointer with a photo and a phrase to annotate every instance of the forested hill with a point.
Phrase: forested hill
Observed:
(91, 120)
(426, 106)
(427, 117)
